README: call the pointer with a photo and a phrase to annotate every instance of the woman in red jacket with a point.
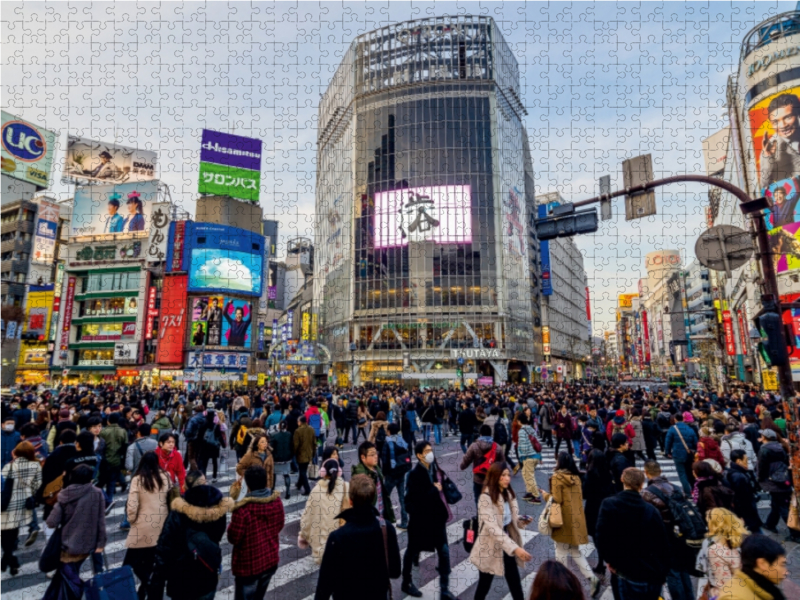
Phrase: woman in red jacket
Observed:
(170, 459)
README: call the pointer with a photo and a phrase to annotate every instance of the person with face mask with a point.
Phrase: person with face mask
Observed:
(10, 438)
(428, 516)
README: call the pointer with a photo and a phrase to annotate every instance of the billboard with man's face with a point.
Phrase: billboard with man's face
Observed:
(775, 127)
(101, 162)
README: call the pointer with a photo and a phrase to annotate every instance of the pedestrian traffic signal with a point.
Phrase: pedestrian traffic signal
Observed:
(771, 326)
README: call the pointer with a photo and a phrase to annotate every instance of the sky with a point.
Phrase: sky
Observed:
(601, 82)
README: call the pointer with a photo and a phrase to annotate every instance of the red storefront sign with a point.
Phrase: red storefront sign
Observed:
(69, 300)
(742, 331)
(730, 340)
(588, 306)
(151, 312)
(129, 328)
(646, 335)
(56, 304)
(177, 245)
(172, 324)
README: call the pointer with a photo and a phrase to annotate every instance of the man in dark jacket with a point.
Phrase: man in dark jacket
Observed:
(304, 444)
(116, 446)
(564, 429)
(9, 438)
(638, 575)
(467, 421)
(681, 445)
(427, 524)
(679, 581)
(281, 444)
(200, 515)
(351, 420)
(744, 485)
(364, 540)
(772, 463)
(254, 532)
(193, 437)
(617, 460)
(368, 465)
(476, 456)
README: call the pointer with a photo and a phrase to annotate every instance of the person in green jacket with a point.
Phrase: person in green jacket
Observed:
(368, 465)
(161, 424)
(116, 440)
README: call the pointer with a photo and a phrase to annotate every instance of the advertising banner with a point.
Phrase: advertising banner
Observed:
(206, 321)
(588, 305)
(218, 360)
(101, 162)
(27, 150)
(305, 326)
(645, 336)
(126, 353)
(513, 228)
(775, 127)
(260, 336)
(113, 210)
(274, 331)
(223, 259)
(159, 232)
(176, 245)
(230, 165)
(44, 240)
(238, 316)
(626, 300)
(172, 324)
(69, 299)
(440, 214)
(151, 313)
(742, 331)
(730, 340)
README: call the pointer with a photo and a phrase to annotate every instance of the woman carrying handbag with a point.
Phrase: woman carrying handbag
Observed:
(499, 547)
(22, 478)
(566, 493)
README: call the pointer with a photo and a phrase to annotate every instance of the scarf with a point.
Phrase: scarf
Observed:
(765, 584)
(486, 438)
(696, 488)
(265, 493)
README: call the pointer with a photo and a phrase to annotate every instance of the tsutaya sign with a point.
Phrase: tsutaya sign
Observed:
(483, 353)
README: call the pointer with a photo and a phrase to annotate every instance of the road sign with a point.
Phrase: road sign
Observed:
(638, 171)
(724, 248)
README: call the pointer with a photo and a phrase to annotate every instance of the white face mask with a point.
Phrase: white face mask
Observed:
(8, 428)
(429, 457)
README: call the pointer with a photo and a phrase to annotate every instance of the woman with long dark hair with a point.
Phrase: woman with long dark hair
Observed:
(146, 510)
(599, 486)
(566, 491)
(499, 548)
(554, 581)
(328, 498)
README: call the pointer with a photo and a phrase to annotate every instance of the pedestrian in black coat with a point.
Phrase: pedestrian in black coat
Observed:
(359, 544)
(744, 485)
(428, 515)
(617, 461)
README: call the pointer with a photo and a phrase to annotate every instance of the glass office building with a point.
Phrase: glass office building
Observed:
(424, 196)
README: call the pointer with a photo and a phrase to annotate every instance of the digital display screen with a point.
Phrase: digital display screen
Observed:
(214, 269)
(439, 214)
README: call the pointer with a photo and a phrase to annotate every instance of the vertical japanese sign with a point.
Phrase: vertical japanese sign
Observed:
(172, 325)
(544, 252)
(176, 246)
(645, 336)
(730, 341)
(69, 300)
(274, 331)
(230, 165)
(742, 331)
(159, 232)
(260, 336)
(151, 312)
(44, 242)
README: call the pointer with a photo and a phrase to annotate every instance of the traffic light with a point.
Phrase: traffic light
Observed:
(771, 326)
(565, 221)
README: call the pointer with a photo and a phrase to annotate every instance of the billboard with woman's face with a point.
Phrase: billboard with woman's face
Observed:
(113, 210)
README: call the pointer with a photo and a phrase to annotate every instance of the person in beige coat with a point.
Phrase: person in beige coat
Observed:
(328, 498)
(259, 455)
(499, 547)
(566, 491)
(146, 510)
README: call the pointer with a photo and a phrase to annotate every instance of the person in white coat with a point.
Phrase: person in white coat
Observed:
(736, 440)
(27, 477)
(328, 498)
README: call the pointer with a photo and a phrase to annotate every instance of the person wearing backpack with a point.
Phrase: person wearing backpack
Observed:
(116, 443)
(503, 439)
(481, 455)
(530, 455)
(188, 557)
(632, 539)
(742, 480)
(736, 440)
(192, 435)
(680, 446)
(775, 478)
(657, 493)
(211, 439)
(396, 461)
(379, 431)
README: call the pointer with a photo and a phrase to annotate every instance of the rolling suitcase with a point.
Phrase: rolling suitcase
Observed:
(116, 584)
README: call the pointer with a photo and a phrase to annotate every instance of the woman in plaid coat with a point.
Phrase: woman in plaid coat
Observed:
(27, 474)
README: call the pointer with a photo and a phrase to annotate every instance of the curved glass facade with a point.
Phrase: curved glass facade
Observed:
(423, 204)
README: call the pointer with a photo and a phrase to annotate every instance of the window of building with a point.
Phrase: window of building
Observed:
(106, 282)
(96, 358)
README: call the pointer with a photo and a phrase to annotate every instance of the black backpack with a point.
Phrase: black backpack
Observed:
(690, 525)
(380, 437)
(205, 555)
(402, 459)
(500, 433)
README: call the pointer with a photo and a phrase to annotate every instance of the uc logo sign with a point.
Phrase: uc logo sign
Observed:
(23, 141)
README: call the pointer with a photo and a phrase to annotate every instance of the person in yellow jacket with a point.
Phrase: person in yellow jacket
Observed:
(763, 569)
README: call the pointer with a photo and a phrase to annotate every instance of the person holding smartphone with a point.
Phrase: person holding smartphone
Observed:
(499, 548)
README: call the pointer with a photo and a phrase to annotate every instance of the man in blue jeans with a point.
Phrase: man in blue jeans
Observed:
(680, 446)
(395, 470)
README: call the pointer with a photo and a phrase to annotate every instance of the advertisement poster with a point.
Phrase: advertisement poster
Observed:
(206, 321)
(513, 229)
(230, 165)
(172, 321)
(113, 210)
(69, 299)
(730, 340)
(27, 150)
(224, 259)
(101, 162)
(44, 240)
(440, 214)
(238, 316)
(775, 126)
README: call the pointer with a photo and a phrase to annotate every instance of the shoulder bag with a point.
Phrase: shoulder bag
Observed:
(544, 519)
(8, 489)
(50, 559)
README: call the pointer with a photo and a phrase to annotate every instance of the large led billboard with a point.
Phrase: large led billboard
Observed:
(116, 210)
(221, 259)
(221, 321)
(440, 214)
